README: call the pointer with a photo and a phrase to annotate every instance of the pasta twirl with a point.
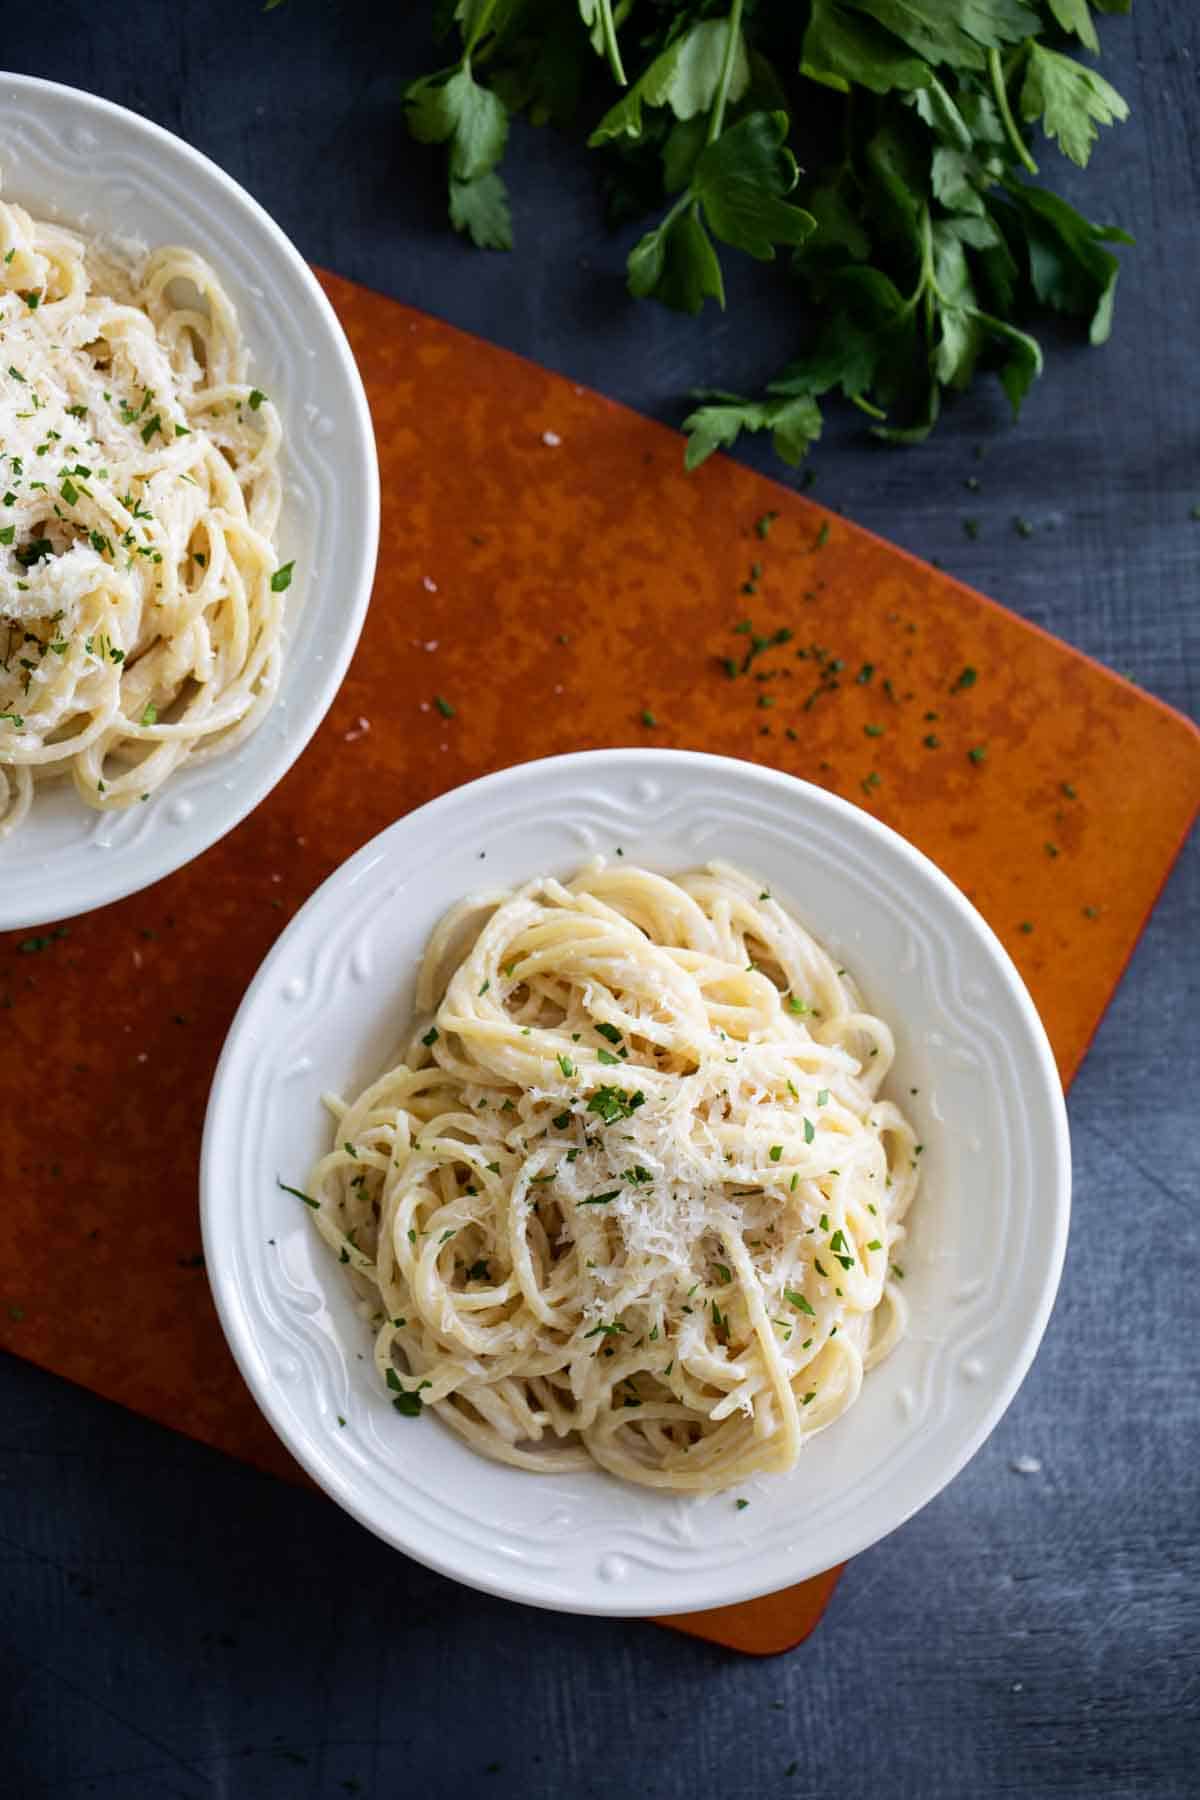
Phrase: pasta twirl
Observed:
(632, 1194)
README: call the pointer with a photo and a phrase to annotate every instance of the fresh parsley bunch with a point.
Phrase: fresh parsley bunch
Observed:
(918, 236)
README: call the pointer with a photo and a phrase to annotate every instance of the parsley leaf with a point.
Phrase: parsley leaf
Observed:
(480, 208)
(1070, 100)
(452, 108)
(956, 34)
(685, 78)
(737, 189)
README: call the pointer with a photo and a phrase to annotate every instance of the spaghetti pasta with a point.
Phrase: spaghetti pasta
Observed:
(141, 600)
(631, 1196)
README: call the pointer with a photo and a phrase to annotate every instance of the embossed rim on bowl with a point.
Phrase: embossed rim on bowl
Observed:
(66, 153)
(983, 1289)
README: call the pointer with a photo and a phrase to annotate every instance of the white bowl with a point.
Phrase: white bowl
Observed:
(989, 1225)
(85, 163)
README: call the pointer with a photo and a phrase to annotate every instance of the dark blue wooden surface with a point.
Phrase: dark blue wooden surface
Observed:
(174, 1625)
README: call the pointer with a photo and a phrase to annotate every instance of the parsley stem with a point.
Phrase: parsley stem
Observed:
(1010, 124)
(608, 35)
(482, 20)
(717, 116)
(925, 280)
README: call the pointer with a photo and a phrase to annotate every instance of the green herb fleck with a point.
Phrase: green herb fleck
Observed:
(307, 1198)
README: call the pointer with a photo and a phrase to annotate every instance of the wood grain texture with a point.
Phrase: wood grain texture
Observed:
(173, 1623)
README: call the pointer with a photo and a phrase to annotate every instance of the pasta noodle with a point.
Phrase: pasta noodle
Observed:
(141, 600)
(631, 1197)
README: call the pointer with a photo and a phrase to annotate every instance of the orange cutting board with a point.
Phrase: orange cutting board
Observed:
(549, 571)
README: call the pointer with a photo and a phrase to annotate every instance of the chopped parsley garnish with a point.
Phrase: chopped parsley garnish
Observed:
(256, 398)
(281, 580)
(307, 1198)
(35, 551)
(431, 1036)
(612, 1104)
(809, 1131)
(775, 1152)
(798, 1301)
(610, 1032)
(602, 1199)
(407, 1401)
